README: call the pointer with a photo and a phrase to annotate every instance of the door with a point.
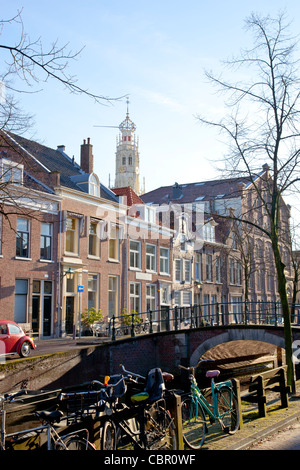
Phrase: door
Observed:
(35, 313)
(47, 315)
(69, 315)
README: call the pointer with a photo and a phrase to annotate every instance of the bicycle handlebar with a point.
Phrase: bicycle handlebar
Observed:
(131, 373)
(192, 369)
(107, 385)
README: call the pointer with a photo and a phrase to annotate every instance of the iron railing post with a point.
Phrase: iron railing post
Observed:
(176, 318)
(113, 330)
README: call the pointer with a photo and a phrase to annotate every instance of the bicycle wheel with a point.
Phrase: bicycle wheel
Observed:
(109, 441)
(193, 423)
(74, 443)
(159, 429)
(229, 415)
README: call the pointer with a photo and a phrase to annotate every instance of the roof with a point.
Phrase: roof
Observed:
(132, 197)
(196, 192)
(56, 160)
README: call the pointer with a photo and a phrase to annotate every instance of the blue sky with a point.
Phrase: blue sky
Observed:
(155, 52)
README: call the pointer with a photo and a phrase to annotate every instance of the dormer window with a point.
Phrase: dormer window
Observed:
(94, 186)
(11, 172)
(209, 232)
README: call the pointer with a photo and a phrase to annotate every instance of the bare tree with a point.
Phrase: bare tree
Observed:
(26, 65)
(263, 127)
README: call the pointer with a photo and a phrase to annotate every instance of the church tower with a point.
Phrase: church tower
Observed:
(127, 156)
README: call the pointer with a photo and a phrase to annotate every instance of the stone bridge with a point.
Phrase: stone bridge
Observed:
(164, 349)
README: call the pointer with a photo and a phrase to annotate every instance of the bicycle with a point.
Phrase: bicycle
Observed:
(76, 440)
(223, 408)
(145, 424)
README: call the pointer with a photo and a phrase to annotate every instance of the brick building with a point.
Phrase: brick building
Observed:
(233, 261)
(75, 244)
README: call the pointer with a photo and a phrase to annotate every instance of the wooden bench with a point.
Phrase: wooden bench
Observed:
(273, 380)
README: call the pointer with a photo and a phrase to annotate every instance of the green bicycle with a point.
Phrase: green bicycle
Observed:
(222, 407)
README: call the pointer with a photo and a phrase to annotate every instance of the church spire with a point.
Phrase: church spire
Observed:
(127, 155)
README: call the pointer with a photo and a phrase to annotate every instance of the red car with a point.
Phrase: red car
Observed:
(13, 340)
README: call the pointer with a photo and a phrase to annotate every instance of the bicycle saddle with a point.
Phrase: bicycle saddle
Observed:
(51, 416)
(212, 373)
(139, 397)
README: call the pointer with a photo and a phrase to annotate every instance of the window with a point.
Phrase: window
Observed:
(187, 270)
(21, 291)
(112, 296)
(231, 271)
(176, 297)
(94, 239)
(72, 235)
(218, 269)
(46, 241)
(12, 172)
(151, 258)
(150, 214)
(209, 268)
(93, 291)
(178, 274)
(151, 299)
(23, 238)
(164, 265)
(198, 263)
(235, 272)
(165, 294)
(134, 254)
(135, 296)
(114, 242)
(209, 232)
(94, 188)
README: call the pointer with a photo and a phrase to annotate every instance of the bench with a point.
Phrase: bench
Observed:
(273, 380)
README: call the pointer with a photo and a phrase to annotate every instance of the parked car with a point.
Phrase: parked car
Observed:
(13, 340)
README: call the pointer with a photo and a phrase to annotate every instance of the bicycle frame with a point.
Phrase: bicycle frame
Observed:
(52, 435)
(211, 409)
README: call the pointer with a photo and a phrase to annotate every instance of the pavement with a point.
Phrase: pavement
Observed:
(253, 429)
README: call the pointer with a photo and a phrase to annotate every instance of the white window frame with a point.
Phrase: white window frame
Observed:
(11, 172)
(151, 299)
(113, 242)
(209, 261)
(93, 287)
(151, 258)
(188, 271)
(178, 270)
(74, 233)
(28, 233)
(164, 260)
(96, 239)
(198, 267)
(134, 254)
(47, 236)
(135, 296)
(113, 290)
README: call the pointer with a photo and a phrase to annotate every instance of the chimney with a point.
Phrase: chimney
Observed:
(86, 156)
(177, 191)
(61, 148)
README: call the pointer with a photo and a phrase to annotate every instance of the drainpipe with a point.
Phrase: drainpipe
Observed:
(59, 306)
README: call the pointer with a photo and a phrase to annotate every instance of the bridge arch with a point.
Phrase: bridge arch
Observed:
(236, 335)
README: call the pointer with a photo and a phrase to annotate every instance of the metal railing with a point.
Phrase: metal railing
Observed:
(194, 316)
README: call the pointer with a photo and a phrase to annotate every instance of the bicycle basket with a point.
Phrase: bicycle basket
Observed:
(154, 384)
(80, 402)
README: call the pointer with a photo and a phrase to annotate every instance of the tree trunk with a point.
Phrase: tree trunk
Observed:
(285, 312)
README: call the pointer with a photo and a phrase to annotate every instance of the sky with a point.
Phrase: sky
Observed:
(155, 52)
